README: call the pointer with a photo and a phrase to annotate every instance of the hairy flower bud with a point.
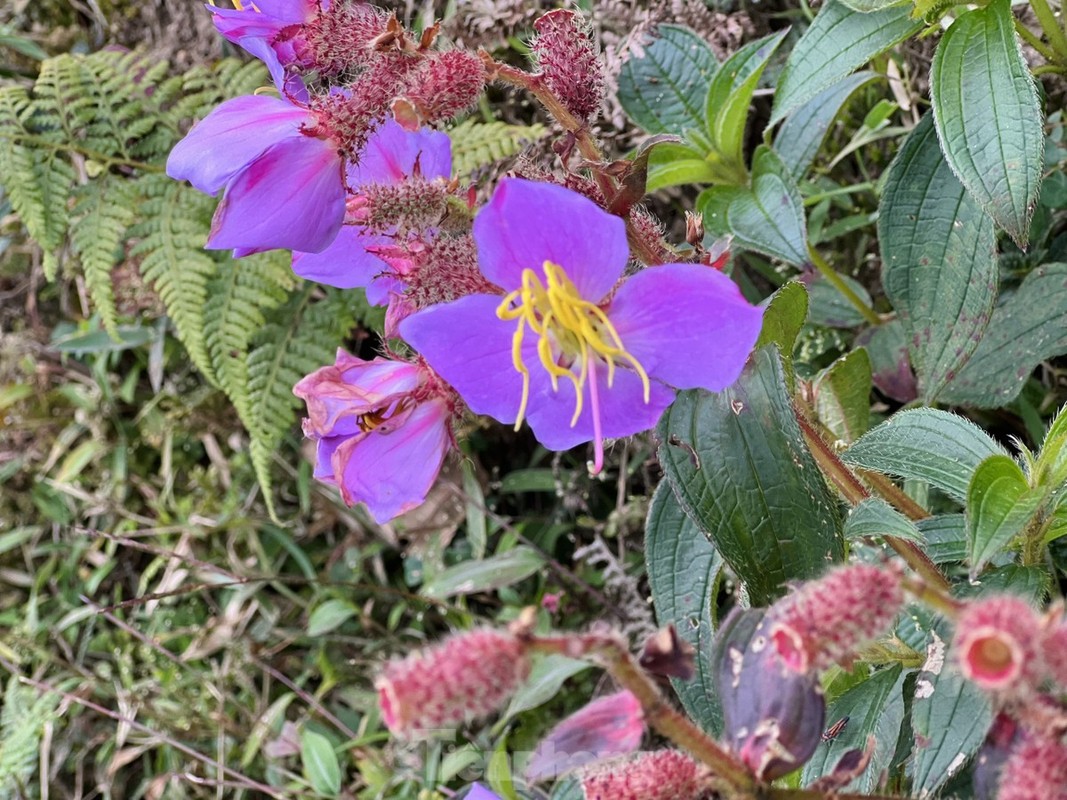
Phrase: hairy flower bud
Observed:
(446, 84)
(569, 62)
(1054, 649)
(824, 621)
(1035, 770)
(659, 775)
(995, 644)
(466, 676)
(412, 204)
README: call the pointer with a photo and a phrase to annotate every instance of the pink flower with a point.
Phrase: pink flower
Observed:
(996, 643)
(383, 430)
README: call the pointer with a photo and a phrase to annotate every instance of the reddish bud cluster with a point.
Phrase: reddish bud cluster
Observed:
(824, 621)
(340, 37)
(1035, 770)
(659, 775)
(466, 676)
(412, 204)
(569, 62)
(445, 85)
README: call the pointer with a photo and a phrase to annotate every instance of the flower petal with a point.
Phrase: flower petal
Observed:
(391, 152)
(623, 411)
(528, 223)
(686, 324)
(345, 263)
(291, 197)
(230, 137)
(392, 472)
(468, 346)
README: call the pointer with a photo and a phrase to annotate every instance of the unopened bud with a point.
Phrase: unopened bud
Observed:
(445, 85)
(995, 643)
(466, 676)
(1035, 770)
(659, 775)
(825, 620)
(412, 204)
(694, 228)
(1054, 649)
(569, 62)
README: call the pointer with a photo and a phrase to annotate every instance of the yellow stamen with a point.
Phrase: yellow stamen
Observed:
(570, 329)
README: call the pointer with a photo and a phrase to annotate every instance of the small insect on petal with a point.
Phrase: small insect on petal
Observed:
(835, 730)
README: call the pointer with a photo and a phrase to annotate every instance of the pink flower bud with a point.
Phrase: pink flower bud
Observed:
(1054, 647)
(996, 641)
(446, 84)
(659, 775)
(412, 204)
(466, 676)
(1035, 770)
(569, 62)
(824, 621)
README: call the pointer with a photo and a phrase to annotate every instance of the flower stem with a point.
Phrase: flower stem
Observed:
(855, 493)
(932, 596)
(835, 280)
(611, 652)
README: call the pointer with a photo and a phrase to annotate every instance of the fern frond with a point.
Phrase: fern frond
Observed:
(479, 144)
(104, 209)
(176, 222)
(21, 725)
(203, 88)
(303, 337)
(239, 296)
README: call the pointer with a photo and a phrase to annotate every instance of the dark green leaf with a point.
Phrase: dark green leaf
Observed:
(838, 41)
(683, 571)
(988, 115)
(867, 6)
(1025, 329)
(786, 312)
(486, 575)
(798, 140)
(875, 517)
(320, 763)
(999, 504)
(1030, 583)
(828, 306)
(946, 537)
(738, 465)
(934, 446)
(664, 88)
(767, 217)
(874, 707)
(731, 92)
(843, 396)
(939, 262)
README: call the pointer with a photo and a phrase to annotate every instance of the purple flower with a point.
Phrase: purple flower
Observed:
(578, 358)
(284, 188)
(269, 30)
(390, 155)
(383, 429)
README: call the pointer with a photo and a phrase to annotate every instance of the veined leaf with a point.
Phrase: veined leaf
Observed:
(838, 41)
(939, 260)
(664, 88)
(320, 763)
(486, 575)
(875, 517)
(934, 446)
(676, 164)
(988, 115)
(683, 574)
(739, 467)
(843, 394)
(999, 504)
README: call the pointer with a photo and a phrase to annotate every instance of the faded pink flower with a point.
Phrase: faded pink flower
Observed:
(996, 643)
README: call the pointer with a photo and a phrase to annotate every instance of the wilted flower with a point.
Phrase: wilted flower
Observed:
(466, 676)
(823, 621)
(608, 727)
(284, 187)
(996, 643)
(658, 775)
(383, 430)
(580, 360)
(390, 156)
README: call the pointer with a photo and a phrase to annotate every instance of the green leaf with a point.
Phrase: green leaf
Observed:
(547, 675)
(988, 115)
(330, 615)
(767, 217)
(946, 537)
(934, 446)
(1032, 583)
(842, 396)
(999, 504)
(939, 260)
(867, 6)
(838, 41)
(949, 718)
(1051, 467)
(730, 95)
(798, 140)
(875, 517)
(664, 88)
(874, 708)
(1026, 329)
(486, 575)
(783, 318)
(827, 306)
(677, 164)
(320, 763)
(683, 574)
(739, 467)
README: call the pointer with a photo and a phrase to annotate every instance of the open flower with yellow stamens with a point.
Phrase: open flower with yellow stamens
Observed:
(570, 349)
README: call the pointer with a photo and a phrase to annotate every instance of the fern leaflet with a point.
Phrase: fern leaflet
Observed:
(479, 144)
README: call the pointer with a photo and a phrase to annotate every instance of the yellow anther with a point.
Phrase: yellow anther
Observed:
(571, 331)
